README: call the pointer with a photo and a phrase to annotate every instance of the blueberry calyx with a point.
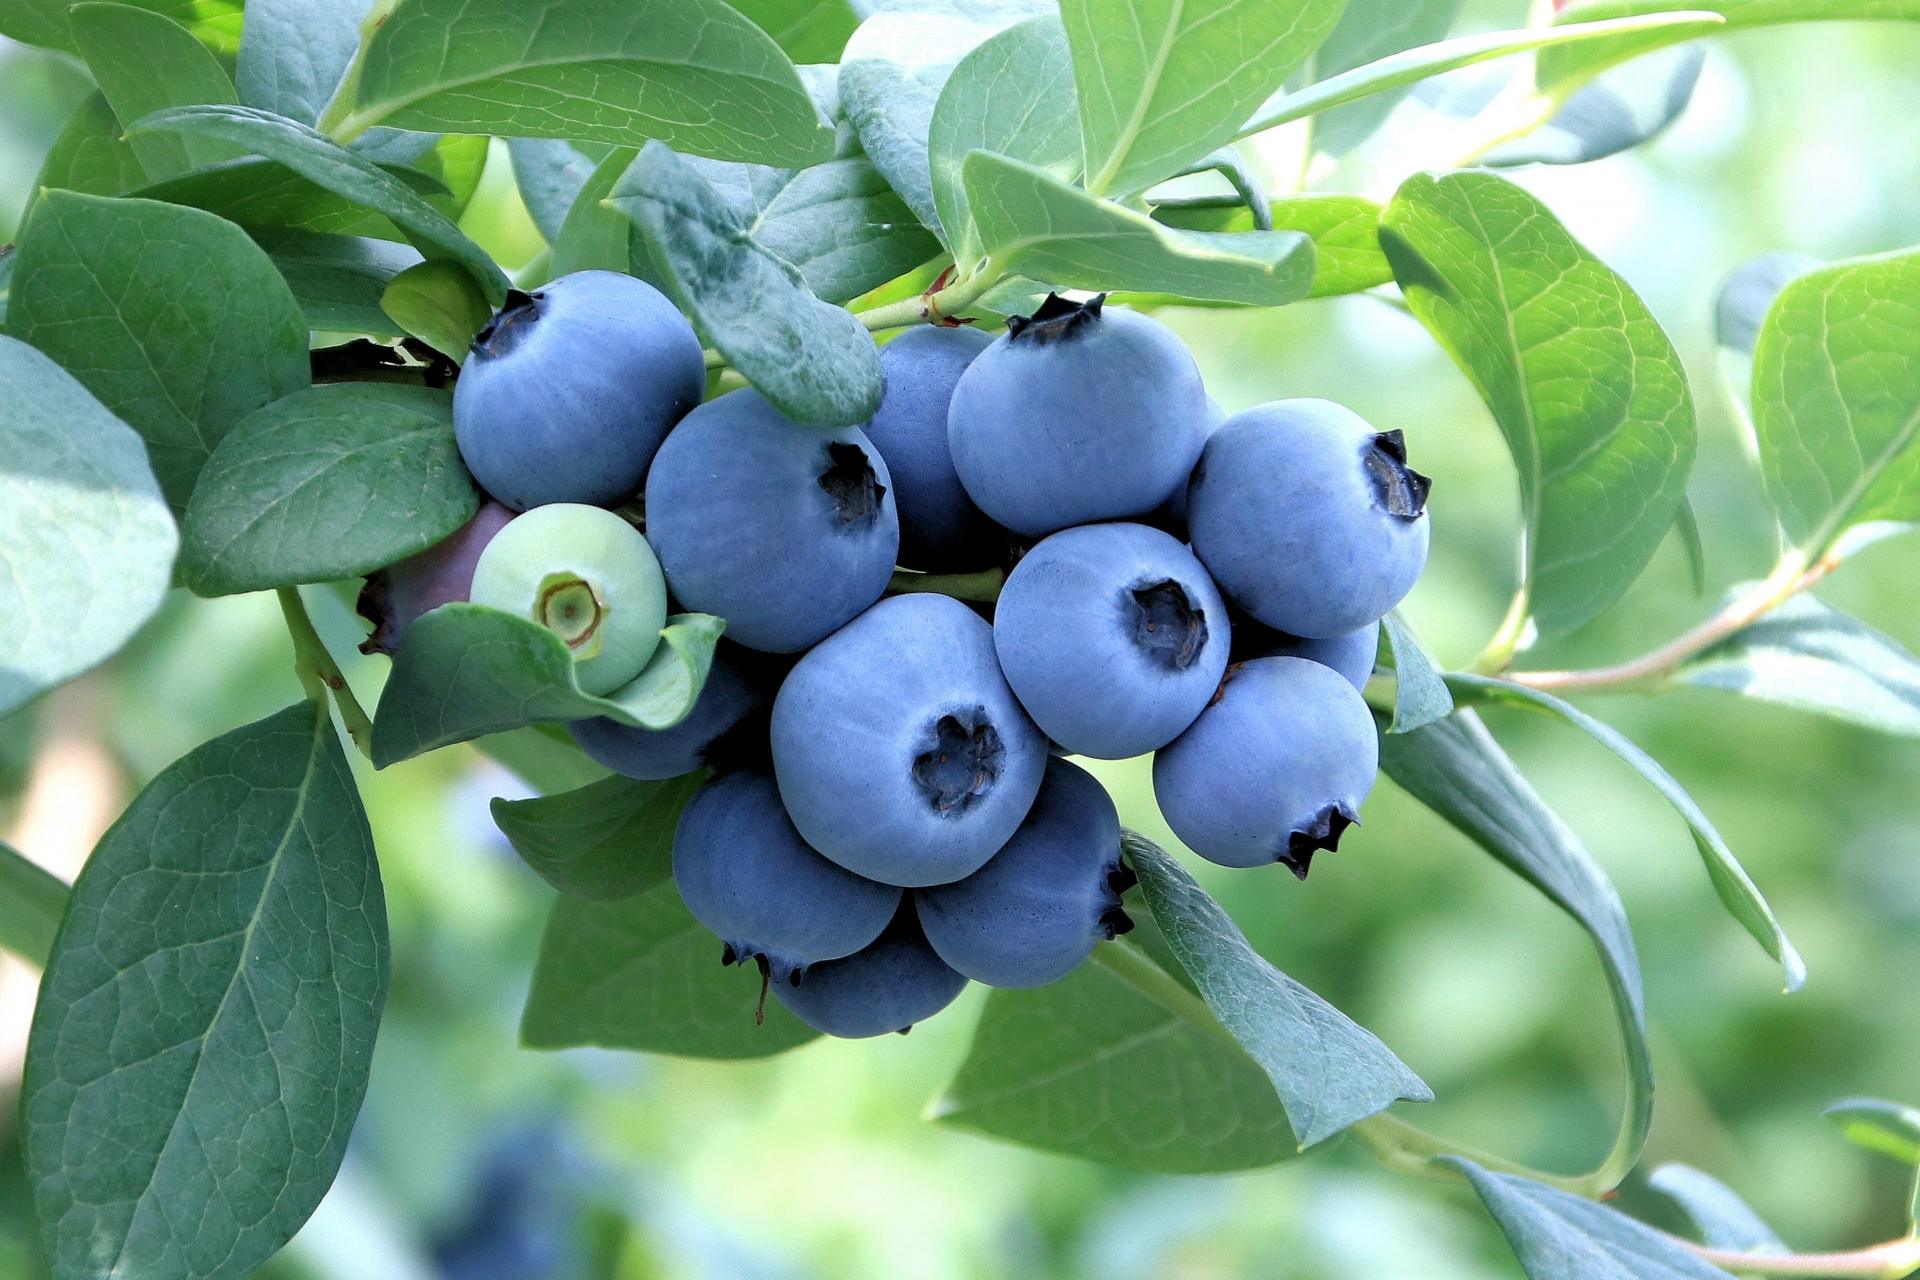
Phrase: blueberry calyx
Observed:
(1055, 320)
(1115, 921)
(510, 325)
(568, 606)
(1323, 832)
(1166, 625)
(849, 480)
(1402, 490)
(961, 765)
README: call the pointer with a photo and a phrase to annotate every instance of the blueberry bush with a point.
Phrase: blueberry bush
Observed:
(823, 486)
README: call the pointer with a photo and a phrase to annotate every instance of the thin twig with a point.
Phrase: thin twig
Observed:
(320, 674)
(1888, 1261)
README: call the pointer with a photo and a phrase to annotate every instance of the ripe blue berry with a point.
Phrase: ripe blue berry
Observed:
(726, 704)
(1275, 769)
(1034, 912)
(1352, 654)
(785, 531)
(893, 983)
(901, 752)
(1112, 636)
(1308, 518)
(570, 389)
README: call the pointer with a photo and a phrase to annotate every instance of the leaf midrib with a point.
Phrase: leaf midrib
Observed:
(1150, 87)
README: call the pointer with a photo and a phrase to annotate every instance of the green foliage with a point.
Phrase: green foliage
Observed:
(89, 541)
(439, 303)
(693, 73)
(145, 62)
(1721, 1219)
(32, 901)
(331, 482)
(641, 973)
(594, 235)
(465, 670)
(1420, 695)
(1589, 392)
(549, 173)
(607, 841)
(90, 155)
(338, 280)
(172, 317)
(294, 53)
(1369, 30)
(209, 1011)
(1836, 399)
(809, 30)
(215, 23)
(1345, 231)
(1890, 1128)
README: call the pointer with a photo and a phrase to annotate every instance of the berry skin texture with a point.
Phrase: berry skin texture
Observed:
(1274, 770)
(941, 531)
(1171, 515)
(1352, 655)
(901, 752)
(785, 531)
(744, 873)
(442, 574)
(1113, 638)
(1077, 414)
(568, 392)
(893, 983)
(1308, 518)
(1034, 912)
(586, 575)
(726, 702)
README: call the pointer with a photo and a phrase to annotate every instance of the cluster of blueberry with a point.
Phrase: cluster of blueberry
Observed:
(890, 814)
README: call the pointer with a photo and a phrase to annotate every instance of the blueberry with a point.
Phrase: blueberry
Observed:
(1308, 518)
(1076, 414)
(785, 531)
(901, 752)
(586, 575)
(746, 874)
(941, 531)
(1275, 769)
(1171, 515)
(1112, 636)
(724, 711)
(890, 985)
(442, 574)
(570, 389)
(1352, 654)
(1033, 913)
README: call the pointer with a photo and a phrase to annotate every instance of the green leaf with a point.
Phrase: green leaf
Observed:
(337, 280)
(89, 541)
(172, 317)
(215, 23)
(440, 303)
(891, 75)
(1399, 70)
(1808, 656)
(260, 193)
(596, 236)
(1559, 1236)
(606, 841)
(465, 670)
(1420, 695)
(1686, 526)
(1561, 70)
(693, 73)
(544, 756)
(208, 1015)
(1890, 1128)
(90, 155)
(642, 973)
(1735, 888)
(32, 902)
(1345, 231)
(1119, 1063)
(1013, 96)
(1329, 1071)
(550, 173)
(839, 224)
(1720, 1218)
(294, 53)
(808, 30)
(1836, 398)
(329, 483)
(814, 362)
(1164, 82)
(1369, 30)
(1035, 224)
(1456, 769)
(347, 173)
(1621, 109)
(144, 62)
(1589, 392)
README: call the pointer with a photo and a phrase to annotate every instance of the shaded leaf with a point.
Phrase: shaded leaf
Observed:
(544, 756)
(1687, 527)
(1345, 231)
(549, 173)
(1329, 1071)
(1420, 695)
(144, 62)
(465, 670)
(594, 235)
(1369, 30)
(215, 23)
(1621, 109)
(1032, 223)
(209, 1011)
(843, 228)
(1119, 1063)
(294, 53)
(32, 901)
(1720, 1218)
(606, 841)
(809, 30)
(172, 317)
(1590, 393)
(439, 303)
(90, 155)
(642, 973)
(1748, 292)
(1891, 1128)
(259, 193)
(328, 483)
(88, 540)
(338, 280)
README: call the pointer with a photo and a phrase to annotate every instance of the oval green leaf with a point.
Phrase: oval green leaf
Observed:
(338, 280)
(1345, 231)
(144, 62)
(32, 903)
(440, 303)
(606, 841)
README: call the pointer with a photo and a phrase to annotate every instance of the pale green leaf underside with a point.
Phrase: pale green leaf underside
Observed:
(1420, 695)
(1720, 1218)
(32, 901)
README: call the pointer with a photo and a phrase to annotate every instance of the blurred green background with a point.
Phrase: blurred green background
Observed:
(476, 1160)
